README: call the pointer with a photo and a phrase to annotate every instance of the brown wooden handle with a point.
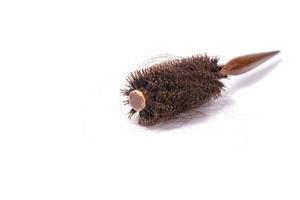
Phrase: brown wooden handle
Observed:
(245, 63)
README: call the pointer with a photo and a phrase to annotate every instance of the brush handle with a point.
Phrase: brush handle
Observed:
(245, 63)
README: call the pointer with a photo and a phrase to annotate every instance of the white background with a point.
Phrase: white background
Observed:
(65, 135)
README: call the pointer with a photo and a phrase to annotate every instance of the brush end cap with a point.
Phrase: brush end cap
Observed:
(137, 100)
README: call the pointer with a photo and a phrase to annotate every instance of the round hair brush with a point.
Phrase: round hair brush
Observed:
(168, 89)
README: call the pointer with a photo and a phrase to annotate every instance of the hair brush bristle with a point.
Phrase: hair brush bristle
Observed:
(173, 87)
(165, 90)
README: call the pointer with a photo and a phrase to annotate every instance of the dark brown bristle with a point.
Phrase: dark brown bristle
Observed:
(174, 87)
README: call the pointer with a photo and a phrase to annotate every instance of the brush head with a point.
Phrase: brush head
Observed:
(165, 90)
